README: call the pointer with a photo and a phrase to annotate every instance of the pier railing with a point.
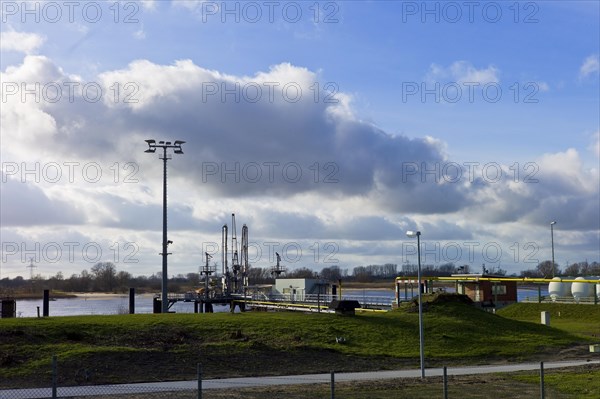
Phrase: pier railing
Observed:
(564, 299)
(366, 301)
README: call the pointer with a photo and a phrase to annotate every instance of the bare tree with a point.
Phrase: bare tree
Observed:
(573, 270)
(545, 269)
(105, 275)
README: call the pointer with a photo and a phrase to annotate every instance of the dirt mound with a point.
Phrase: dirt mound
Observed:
(430, 300)
(446, 298)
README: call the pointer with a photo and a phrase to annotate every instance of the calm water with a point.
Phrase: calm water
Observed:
(143, 303)
(95, 306)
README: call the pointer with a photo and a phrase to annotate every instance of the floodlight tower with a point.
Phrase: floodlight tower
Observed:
(152, 146)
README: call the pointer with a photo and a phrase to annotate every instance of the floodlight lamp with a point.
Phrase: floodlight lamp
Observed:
(151, 150)
(413, 234)
(552, 222)
(179, 142)
(150, 142)
(179, 151)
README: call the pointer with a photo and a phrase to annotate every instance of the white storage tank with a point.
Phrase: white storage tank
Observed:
(557, 289)
(581, 290)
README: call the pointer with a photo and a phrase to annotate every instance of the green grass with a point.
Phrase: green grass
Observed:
(583, 383)
(582, 320)
(260, 343)
(523, 385)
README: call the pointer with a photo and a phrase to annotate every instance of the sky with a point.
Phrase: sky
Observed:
(329, 128)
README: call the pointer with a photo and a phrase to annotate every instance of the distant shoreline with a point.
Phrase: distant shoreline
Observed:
(38, 295)
(68, 295)
(107, 295)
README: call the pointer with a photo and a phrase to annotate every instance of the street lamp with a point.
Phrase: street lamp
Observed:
(552, 223)
(417, 234)
(152, 146)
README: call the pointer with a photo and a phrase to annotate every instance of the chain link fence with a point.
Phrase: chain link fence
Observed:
(438, 384)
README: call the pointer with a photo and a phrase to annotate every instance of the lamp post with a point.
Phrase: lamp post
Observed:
(152, 146)
(552, 223)
(417, 234)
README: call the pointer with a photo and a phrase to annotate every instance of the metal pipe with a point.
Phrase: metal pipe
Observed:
(54, 377)
(542, 390)
(445, 383)
(332, 385)
(517, 279)
(199, 381)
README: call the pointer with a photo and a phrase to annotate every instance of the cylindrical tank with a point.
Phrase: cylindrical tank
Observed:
(581, 290)
(557, 289)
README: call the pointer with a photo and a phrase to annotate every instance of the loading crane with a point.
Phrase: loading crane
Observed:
(277, 269)
(225, 269)
(235, 273)
(244, 254)
(235, 263)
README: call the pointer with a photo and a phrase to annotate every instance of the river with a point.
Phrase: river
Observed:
(100, 304)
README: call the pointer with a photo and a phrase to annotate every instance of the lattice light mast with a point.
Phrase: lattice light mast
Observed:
(176, 146)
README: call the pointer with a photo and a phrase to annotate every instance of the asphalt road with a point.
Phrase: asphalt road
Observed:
(228, 383)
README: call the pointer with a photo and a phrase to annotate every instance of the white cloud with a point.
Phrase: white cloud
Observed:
(149, 4)
(590, 66)
(140, 34)
(22, 42)
(192, 5)
(358, 185)
(463, 72)
(555, 186)
(26, 204)
(595, 146)
(543, 86)
(565, 170)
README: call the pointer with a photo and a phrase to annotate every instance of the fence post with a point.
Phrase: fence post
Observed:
(46, 303)
(199, 381)
(445, 383)
(332, 384)
(131, 300)
(542, 393)
(54, 377)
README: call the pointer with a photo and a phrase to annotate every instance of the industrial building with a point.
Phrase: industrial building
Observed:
(483, 290)
(299, 289)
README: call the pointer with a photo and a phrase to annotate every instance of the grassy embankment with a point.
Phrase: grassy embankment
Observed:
(582, 320)
(130, 348)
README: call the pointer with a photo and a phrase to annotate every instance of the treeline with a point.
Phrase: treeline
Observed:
(545, 270)
(104, 276)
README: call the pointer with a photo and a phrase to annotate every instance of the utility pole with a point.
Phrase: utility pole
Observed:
(31, 267)
(552, 242)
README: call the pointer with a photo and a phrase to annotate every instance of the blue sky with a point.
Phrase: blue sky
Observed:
(543, 126)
